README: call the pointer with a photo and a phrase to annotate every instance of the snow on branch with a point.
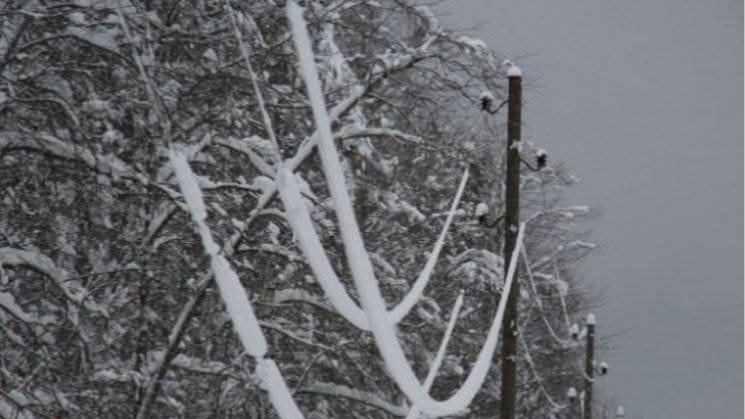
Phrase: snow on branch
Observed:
(9, 304)
(50, 145)
(302, 225)
(566, 213)
(400, 311)
(244, 147)
(538, 378)
(359, 132)
(383, 329)
(435, 367)
(342, 107)
(562, 287)
(299, 218)
(370, 399)
(539, 303)
(246, 55)
(73, 291)
(577, 244)
(174, 338)
(299, 295)
(12, 405)
(235, 297)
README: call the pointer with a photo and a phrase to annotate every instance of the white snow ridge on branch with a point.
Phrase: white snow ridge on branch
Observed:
(379, 320)
(373, 314)
(299, 218)
(234, 295)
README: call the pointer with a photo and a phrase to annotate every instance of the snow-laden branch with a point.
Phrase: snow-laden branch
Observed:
(359, 132)
(262, 165)
(50, 145)
(12, 406)
(562, 289)
(303, 152)
(435, 367)
(342, 107)
(150, 89)
(235, 297)
(577, 244)
(566, 212)
(299, 218)
(400, 311)
(72, 290)
(383, 329)
(171, 350)
(246, 54)
(538, 378)
(9, 304)
(539, 303)
(301, 296)
(364, 397)
(302, 225)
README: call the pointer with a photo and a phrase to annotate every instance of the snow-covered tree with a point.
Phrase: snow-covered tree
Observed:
(108, 305)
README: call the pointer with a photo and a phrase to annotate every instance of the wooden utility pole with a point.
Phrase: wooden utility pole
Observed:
(511, 221)
(589, 366)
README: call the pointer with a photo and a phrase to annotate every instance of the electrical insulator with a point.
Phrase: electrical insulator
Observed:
(486, 101)
(541, 158)
(574, 331)
(482, 211)
(572, 394)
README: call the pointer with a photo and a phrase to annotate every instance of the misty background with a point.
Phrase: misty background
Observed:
(642, 100)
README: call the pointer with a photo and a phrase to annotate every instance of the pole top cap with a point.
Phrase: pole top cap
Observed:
(512, 69)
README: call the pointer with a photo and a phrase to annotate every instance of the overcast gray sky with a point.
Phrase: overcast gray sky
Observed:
(643, 100)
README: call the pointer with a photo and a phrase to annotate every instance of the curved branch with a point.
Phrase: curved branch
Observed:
(50, 145)
(535, 374)
(356, 94)
(235, 297)
(302, 225)
(435, 367)
(370, 399)
(73, 291)
(539, 303)
(364, 277)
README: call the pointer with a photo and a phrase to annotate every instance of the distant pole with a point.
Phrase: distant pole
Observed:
(511, 220)
(589, 366)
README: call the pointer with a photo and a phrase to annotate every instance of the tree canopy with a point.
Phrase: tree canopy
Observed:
(108, 305)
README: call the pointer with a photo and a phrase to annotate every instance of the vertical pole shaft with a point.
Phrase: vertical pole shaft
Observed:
(511, 221)
(589, 369)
